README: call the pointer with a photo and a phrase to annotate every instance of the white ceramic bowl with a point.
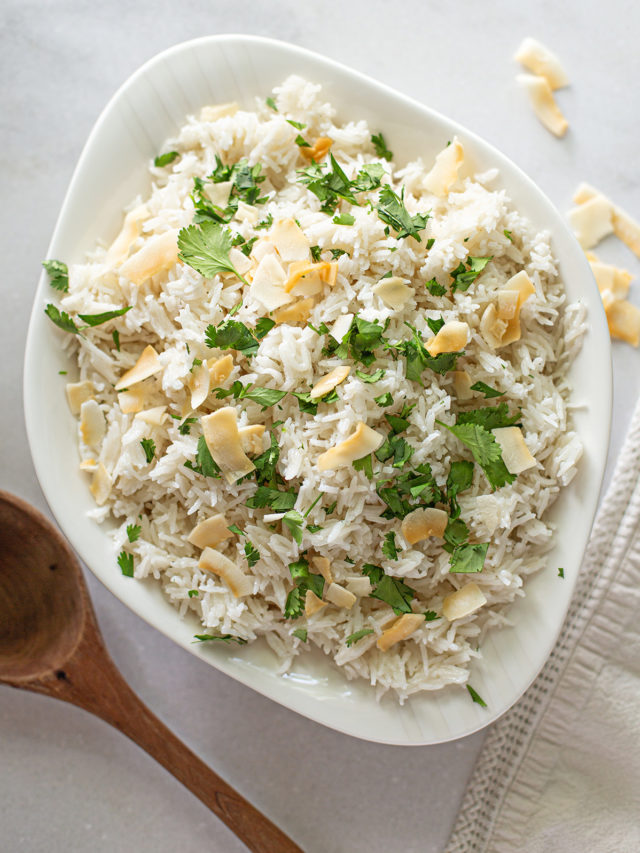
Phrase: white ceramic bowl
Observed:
(150, 106)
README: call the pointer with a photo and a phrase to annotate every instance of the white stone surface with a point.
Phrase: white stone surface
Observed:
(69, 783)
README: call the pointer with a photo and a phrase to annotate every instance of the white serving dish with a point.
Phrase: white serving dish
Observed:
(148, 109)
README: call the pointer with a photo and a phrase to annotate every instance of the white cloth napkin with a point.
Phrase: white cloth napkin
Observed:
(561, 770)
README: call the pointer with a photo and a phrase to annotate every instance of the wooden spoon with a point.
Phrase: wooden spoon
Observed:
(50, 643)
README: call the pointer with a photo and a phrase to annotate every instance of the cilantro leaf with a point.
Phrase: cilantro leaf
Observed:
(125, 561)
(58, 273)
(507, 234)
(391, 210)
(232, 334)
(359, 342)
(370, 378)
(225, 638)
(272, 104)
(133, 532)
(206, 249)
(368, 178)
(384, 400)
(418, 358)
(278, 500)
(61, 319)
(263, 396)
(381, 146)
(468, 558)
(389, 547)
(435, 288)
(185, 427)
(476, 697)
(344, 219)
(301, 634)
(560, 573)
(489, 417)
(204, 463)
(374, 573)
(365, 464)
(294, 521)
(297, 124)
(302, 142)
(487, 390)
(394, 592)
(98, 319)
(252, 554)
(263, 325)
(358, 635)
(266, 464)
(115, 334)
(149, 447)
(265, 223)
(303, 580)
(193, 593)
(164, 159)
(430, 616)
(486, 451)
(463, 275)
(459, 480)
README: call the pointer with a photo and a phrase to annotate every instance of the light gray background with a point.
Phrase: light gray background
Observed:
(67, 782)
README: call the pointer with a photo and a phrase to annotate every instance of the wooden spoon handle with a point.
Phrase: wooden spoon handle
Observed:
(92, 681)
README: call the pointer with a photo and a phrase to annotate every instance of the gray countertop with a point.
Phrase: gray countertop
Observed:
(67, 781)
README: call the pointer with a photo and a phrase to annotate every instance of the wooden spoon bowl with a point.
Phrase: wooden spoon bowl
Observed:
(50, 643)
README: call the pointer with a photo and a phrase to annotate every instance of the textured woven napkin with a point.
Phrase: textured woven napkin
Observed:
(561, 770)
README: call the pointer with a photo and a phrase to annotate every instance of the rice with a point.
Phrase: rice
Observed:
(171, 311)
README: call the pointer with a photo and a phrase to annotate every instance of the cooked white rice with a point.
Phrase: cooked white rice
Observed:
(172, 310)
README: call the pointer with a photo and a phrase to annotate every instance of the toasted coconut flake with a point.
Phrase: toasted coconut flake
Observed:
(444, 172)
(318, 150)
(331, 273)
(251, 438)
(341, 326)
(158, 254)
(405, 626)
(544, 104)
(210, 531)
(323, 565)
(393, 291)
(423, 523)
(92, 423)
(290, 240)
(462, 385)
(624, 226)
(216, 563)
(268, 283)
(312, 603)
(155, 416)
(220, 368)
(359, 586)
(89, 464)
(508, 304)
(77, 394)
(261, 248)
(330, 381)
(306, 278)
(539, 59)
(515, 453)
(452, 337)
(133, 400)
(129, 233)
(299, 312)
(623, 319)
(100, 486)
(463, 602)
(523, 286)
(340, 596)
(221, 434)
(362, 441)
(592, 221)
(147, 365)
(492, 327)
(611, 278)
(214, 112)
(199, 385)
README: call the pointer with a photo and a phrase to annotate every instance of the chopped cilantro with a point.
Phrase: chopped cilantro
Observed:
(331, 508)
(149, 447)
(381, 146)
(125, 561)
(417, 484)
(344, 219)
(468, 558)
(486, 451)
(487, 390)
(303, 580)
(314, 528)
(319, 498)
(62, 373)
(301, 141)
(476, 697)
(489, 417)
(393, 591)
(430, 616)
(206, 249)
(359, 342)
(337, 253)
(294, 521)
(232, 334)
(225, 638)
(235, 529)
(358, 635)
(98, 319)
(115, 335)
(185, 427)
(464, 275)
(263, 325)
(276, 499)
(434, 288)
(133, 532)
(389, 547)
(265, 223)
(301, 634)
(309, 405)
(418, 358)
(560, 573)
(297, 124)
(459, 480)
(164, 159)
(204, 463)
(58, 273)
(266, 474)
(193, 593)
(507, 234)
(368, 178)
(391, 209)
(364, 464)
(263, 396)
(272, 104)
(252, 553)
(316, 251)
(384, 400)
(332, 184)
(376, 376)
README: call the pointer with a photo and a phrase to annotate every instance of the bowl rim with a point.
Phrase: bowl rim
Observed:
(597, 328)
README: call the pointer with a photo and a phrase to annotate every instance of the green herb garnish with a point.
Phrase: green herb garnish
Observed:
(125, 561)
(435, 288)
(149, 447)
(358, 635)
(487, 390)
(206, 249)
(303, 580)
(391, 210)
(204, 463)
(133, 532)
(294, 521)
(225, 638)
(164, 159)
(464, 275)
(58, 273)
(381, 146)
(476, 696)
(301, 634)
(389, 547)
